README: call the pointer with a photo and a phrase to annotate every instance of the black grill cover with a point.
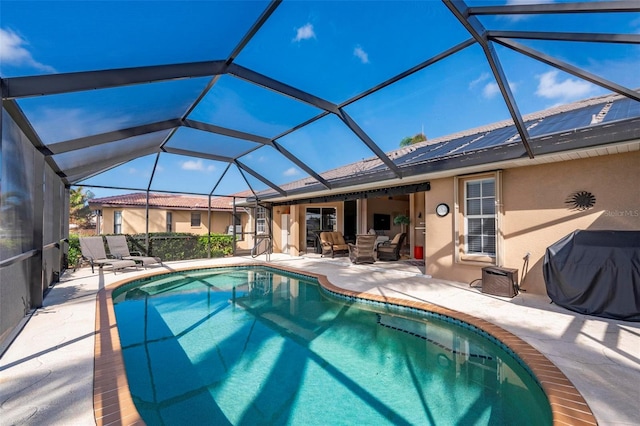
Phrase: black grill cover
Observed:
(596, 273)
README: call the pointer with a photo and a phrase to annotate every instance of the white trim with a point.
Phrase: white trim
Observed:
(461, 254)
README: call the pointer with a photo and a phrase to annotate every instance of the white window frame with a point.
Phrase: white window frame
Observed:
(261, 220)
(461, 254)
(169, 222)
(481, 216)
(117, 221)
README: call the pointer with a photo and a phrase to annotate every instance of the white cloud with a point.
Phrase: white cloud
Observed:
(305, 32)
(61, 124)
(192, 165)
(359, 53)
(515, 18)
(567, 90)
(291, 171)
(484, 76)
(196, 165)
(13, 52)
(491, 89)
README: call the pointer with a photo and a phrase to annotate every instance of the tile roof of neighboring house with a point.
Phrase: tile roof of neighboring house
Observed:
(580, 114)
(171, 201)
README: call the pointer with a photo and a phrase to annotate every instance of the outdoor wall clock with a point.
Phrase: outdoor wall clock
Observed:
(442, 210)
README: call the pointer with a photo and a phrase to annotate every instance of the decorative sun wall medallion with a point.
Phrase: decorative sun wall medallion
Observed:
(581, 200)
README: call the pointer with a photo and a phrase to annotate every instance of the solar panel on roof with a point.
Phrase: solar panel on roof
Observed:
(621, 109)
(495, 137)
(566, 121)
(428, 152)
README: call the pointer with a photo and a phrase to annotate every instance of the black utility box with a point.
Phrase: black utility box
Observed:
(500, 281)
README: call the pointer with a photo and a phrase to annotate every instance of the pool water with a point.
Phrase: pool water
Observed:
(249, 346)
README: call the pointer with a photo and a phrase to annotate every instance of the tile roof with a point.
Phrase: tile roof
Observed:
(192, 202)
(592, 111)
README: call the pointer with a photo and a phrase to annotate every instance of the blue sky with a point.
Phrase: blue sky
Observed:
(331, 49)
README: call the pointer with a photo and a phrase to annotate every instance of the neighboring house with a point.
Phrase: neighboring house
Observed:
(483, 201)
(127, 214)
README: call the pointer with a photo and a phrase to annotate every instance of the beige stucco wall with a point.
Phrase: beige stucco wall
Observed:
(393, 207)
(535, 214)
(278, 212)
(297, 222)
(133, 221)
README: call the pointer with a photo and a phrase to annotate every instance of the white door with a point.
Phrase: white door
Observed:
(285, 233)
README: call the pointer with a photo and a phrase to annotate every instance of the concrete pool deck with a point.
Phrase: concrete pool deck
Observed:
(47, 374)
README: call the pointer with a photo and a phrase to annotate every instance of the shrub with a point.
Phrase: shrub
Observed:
(166, 245)
(74, 251)
(181, 246)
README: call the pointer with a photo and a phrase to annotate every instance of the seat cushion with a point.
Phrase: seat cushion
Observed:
(334, 238)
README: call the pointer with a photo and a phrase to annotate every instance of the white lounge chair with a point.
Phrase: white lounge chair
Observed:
(118, 247)
(92, 249)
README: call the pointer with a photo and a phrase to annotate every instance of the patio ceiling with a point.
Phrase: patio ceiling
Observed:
(218, 97)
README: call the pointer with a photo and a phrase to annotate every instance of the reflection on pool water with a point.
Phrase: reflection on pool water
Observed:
(259, 346)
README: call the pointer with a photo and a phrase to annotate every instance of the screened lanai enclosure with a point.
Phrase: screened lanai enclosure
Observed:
(272, 99)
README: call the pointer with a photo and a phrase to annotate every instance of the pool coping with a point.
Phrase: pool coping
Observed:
(112, 402)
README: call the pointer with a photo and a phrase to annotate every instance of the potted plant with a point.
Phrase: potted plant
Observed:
(401, 220)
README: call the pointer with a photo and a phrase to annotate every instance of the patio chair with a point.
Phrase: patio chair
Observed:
(118, 247)
(362, 250)
(92, 249)
(332, 242)
(390, 250)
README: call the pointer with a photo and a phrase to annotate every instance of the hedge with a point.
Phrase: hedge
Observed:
(167, 245)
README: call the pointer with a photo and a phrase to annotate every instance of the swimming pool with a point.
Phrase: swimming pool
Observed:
(259, 346)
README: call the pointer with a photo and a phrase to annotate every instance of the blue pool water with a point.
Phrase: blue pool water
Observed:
(250, 346)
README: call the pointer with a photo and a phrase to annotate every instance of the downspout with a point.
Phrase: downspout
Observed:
(146, 238)
(233, 222)
(209, 229)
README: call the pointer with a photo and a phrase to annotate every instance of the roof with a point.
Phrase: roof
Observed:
(601, 112)
(164, 201)
(287, 98)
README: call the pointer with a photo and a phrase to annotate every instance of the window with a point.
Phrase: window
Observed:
(480, 217)
(117, 222)
(195, 219)
(169, 222)
(319, 219)
(261, 220)
(237, 221)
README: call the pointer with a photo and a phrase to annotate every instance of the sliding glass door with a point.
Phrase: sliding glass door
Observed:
(319, 219)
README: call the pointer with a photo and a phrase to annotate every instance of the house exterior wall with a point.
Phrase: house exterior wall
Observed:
(297, 221)
(133, 221)
(299, 226)
(393, 207)
(277, 229)
(535, 215)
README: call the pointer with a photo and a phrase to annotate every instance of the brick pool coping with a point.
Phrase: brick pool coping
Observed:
(112, 402)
